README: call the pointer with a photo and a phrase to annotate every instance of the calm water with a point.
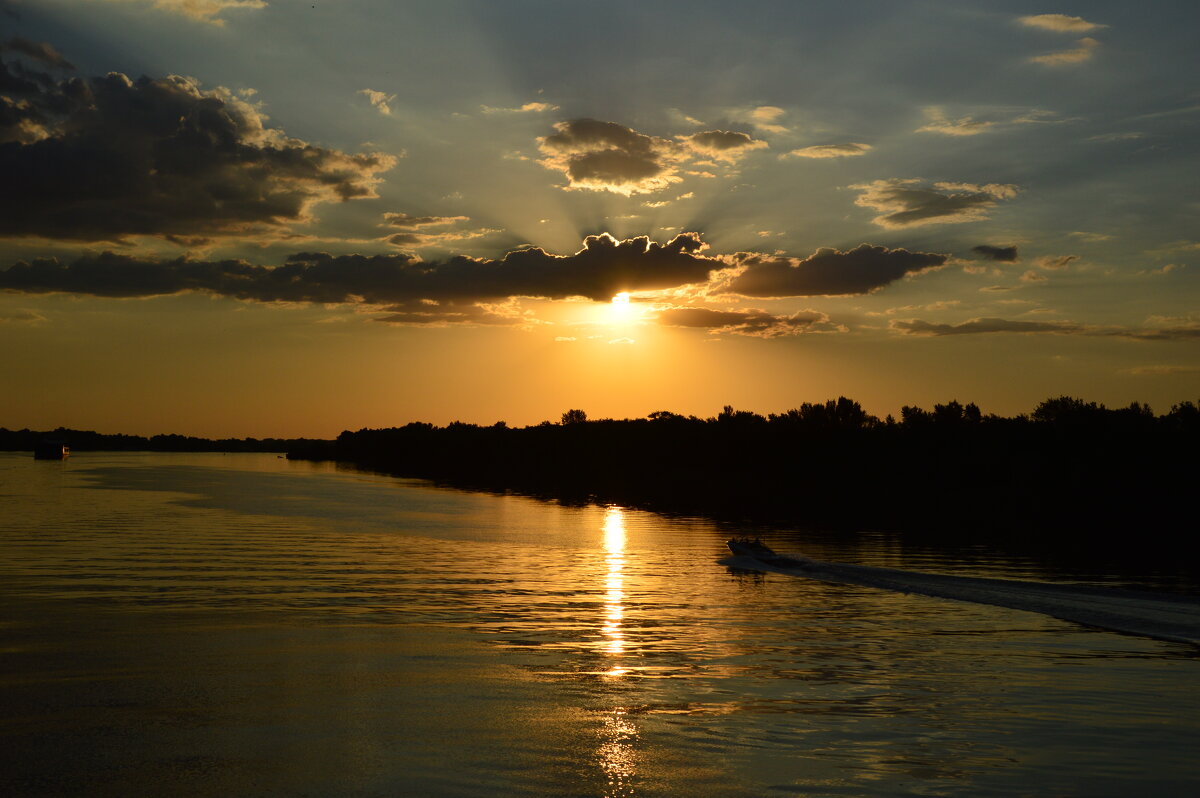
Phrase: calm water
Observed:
(241, 625)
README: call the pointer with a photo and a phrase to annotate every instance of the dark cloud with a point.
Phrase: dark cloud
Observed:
(756, 323)
(39, 51)
(599, 271)
(101, 158)
(1002, 254)
(828, 272)
(722, 144)
(909, 203)
(607, 156)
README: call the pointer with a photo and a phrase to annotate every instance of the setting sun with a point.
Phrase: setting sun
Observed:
(620, 309)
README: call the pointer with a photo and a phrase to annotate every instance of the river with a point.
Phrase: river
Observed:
(216, 625)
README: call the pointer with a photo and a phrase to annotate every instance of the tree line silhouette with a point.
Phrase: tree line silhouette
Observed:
(25, 440)
(1076, 467)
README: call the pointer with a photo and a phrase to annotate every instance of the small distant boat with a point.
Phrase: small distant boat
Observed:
(753, 547)
(51, 450)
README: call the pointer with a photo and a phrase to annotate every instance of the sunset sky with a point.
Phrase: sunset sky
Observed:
(278, 218)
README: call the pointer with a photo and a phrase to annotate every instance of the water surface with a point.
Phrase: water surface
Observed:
(240, 624)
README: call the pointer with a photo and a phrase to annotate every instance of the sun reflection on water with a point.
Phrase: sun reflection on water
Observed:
(616, 754)
(614, 596)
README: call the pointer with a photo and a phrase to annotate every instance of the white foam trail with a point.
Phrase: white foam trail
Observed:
(1158, 615)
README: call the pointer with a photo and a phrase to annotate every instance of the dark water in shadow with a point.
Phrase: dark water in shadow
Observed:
(242, 625)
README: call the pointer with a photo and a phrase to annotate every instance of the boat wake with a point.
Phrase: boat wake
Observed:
(1158, 615)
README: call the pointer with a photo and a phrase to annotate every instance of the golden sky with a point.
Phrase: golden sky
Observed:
(267, 218)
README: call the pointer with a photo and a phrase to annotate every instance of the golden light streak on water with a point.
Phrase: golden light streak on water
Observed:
(614, 608)
(616, 754)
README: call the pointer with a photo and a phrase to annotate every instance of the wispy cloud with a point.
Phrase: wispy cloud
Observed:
(200, 10)
(1162, 370)
(527, 108)
(38, 51)
(847, 150)
(1059, 23)
(755, 323)
(379, 99)
(939, 121)
(982, 326)
(1084, 52)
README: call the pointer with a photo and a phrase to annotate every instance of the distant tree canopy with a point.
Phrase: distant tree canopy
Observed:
(1069, 465)
(87, 440)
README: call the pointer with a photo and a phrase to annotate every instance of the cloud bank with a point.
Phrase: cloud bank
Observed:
(603, 268)
(827, 272)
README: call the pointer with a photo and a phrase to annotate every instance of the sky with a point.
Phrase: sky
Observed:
(276, 218)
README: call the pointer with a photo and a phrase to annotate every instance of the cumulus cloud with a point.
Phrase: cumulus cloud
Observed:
(827, 272)
(603, 268)
(101, 158)
(38, 51)
(1085, 50)
(831, 150)
(606, 156)
(379, 99)
(1060, 23)
(911, 203)
(1001, 254)
(724, 145)
(755, 323)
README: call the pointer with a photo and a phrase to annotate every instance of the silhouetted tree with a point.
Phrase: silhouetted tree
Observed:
(574, 417)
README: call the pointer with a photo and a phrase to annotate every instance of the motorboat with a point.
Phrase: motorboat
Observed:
(753, 547)
(750, 547)
(51, 450)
